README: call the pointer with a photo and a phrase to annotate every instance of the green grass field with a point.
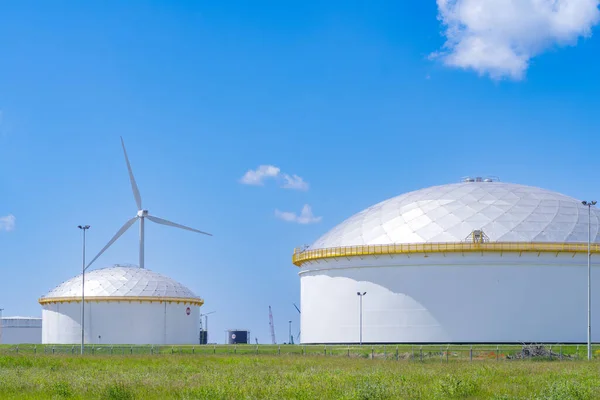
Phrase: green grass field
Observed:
(288, 376)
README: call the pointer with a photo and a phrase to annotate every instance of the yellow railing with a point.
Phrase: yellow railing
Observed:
(112, 299)
(300, 256)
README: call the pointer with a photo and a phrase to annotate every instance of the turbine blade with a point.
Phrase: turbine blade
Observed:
(114, 238)
(173, 224)
(297, 308)
(136, 192)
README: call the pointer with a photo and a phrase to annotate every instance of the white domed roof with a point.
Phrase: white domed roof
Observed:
(450, 213)
(122, 281)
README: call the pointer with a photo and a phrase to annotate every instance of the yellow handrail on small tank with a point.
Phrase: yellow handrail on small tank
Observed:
(113, 299)
(301, 255)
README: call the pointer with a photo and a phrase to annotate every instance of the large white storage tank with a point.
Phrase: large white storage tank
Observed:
(474, 262)
(20, 330)
(123, 305)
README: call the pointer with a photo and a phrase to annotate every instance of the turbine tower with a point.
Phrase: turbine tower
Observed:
(141, 215)
(299, 331)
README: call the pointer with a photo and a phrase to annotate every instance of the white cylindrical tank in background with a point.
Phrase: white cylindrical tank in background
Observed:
(123, 305)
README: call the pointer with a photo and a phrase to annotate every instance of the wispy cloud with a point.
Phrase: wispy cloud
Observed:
(306, 216)
(500, 37)
(258, 176)
(7, 223)
(294, 182)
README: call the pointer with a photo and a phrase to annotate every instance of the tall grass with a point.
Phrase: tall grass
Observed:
(289, 377)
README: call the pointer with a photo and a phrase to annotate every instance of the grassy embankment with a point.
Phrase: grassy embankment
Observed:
(27, 376)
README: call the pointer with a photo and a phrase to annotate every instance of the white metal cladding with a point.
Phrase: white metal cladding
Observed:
(121, 322)
(18, 322)
(452, 298)
(121, 280)
(17, 330)
(505, 212)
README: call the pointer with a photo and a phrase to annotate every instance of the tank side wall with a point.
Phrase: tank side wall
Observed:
(448, 299)
(120, 323)
(241, 337)
(182, 328)
(61, 323)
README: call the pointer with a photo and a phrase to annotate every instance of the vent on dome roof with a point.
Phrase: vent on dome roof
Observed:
(480, 179)
(477, 236)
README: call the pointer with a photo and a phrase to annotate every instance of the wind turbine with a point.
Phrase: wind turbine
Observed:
(299, 331)
(141, 215)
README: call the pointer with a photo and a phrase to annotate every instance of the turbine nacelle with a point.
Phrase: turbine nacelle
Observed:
(141, 215)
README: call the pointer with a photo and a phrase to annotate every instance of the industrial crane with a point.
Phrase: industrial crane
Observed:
(272, 326)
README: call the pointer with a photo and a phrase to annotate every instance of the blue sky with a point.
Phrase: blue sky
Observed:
(361, 102)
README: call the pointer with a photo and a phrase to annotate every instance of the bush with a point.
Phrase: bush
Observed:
(371, 391)
(503, 397)
(453, 387)
(62, 389)
(565, 390)
(118, 391)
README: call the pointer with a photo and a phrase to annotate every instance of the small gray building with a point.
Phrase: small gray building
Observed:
(21, 330)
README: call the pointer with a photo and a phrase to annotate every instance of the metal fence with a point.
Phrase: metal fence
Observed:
(425, 353)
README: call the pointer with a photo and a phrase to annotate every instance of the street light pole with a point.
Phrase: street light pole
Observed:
(360, 295)
(83, 228)
(206, 323)
(589, 205)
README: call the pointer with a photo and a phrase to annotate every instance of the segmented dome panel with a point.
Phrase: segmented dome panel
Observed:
(450, 213)
(122, 281)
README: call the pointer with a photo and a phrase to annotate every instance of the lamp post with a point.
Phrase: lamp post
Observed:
(83, 228)
(589, 205)
(360, 295)
(206, 323)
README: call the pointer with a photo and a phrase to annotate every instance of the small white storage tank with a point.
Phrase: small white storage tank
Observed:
(123, 305)
(21, 330)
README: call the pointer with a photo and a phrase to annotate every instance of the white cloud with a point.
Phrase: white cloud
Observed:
(7, 223)
(306, 216)
(294, 182)
(499, 37)
(258, 176)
